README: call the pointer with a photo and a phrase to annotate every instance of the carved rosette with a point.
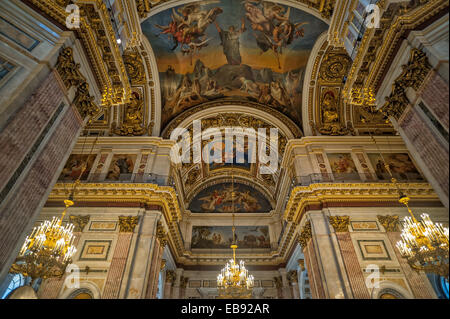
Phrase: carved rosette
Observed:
(389, 222)
(79, 222)
(292, 277)
(127, 223)
(339, 223)
(305, 235)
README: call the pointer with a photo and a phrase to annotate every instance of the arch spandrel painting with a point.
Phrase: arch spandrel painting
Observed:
(221, 198)
(232, 49)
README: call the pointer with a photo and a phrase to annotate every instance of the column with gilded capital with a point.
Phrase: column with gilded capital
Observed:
(138, 273)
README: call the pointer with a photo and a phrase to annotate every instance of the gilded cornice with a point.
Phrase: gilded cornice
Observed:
(302, 196)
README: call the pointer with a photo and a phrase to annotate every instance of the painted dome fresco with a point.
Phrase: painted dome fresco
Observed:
(233, 50)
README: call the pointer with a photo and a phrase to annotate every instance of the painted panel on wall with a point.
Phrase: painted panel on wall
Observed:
(121, 165)
(342, 166)
(74, 166)
(219, 199)
(400, 165)
(249, 50)
(220, 237)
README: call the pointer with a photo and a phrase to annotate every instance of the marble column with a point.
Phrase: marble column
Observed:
(176, 291)
(170, 279)
(118, 264)
(293, 281)
(144, 253)
(325, 260)
(285, 287)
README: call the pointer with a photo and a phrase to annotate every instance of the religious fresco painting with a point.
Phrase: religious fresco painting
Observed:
(342, 166)
(219, 199)
(250, 50)
(122, 166)
(74, 167)
(400, 165)
(221, 237)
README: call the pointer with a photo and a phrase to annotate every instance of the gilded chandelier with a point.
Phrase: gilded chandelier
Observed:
(48, 250)
(234, 280)
(424, 244)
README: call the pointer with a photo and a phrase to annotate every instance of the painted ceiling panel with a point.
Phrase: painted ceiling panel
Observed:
(232, 49)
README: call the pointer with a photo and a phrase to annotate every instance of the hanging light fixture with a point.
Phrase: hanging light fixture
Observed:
(424, 244)
(49, 249)
(234, 280)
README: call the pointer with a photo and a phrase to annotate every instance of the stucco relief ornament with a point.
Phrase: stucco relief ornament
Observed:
(305, 235)
(161, 234)
(339, 223)
(171, 276)
(390, 223)
(127, 223)
(132, 124)
(292, 276)
(79, 222)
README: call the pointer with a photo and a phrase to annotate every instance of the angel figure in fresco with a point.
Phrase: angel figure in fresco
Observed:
(344, 165)
(211, 202)
(188, 26)
(272, 27)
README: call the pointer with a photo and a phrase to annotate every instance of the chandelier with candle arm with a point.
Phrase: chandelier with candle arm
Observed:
(234, 281)
(49, 249)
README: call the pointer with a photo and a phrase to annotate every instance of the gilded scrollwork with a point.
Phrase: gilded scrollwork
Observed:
(127, 223)
(71, 76)
(292, 276)
(412, 76)
(333, 69)
(134, 66)
(171, 276)
(305, 235)
(389, 222)
(134, 118)
(161, 234)
(339, 223)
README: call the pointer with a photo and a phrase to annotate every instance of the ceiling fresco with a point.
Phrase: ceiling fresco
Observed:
(232, 49)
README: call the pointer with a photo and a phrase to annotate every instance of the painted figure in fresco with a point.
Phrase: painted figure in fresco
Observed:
(273, 29)
(230, 43)
(188, 27)
(329, 108)
(122, 165)
(344, 165)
